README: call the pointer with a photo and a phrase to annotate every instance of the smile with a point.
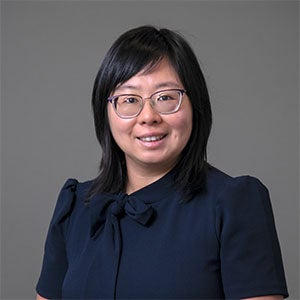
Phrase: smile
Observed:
(151, 138)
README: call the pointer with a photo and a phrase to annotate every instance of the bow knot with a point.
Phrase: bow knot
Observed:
(105, 207)
(117, 206)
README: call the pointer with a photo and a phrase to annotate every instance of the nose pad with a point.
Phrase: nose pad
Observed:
(149, 114)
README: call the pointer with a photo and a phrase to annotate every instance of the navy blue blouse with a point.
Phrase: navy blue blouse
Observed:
(149, 245)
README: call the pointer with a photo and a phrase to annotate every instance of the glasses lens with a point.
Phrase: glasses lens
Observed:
(167, 102)
(164, 102)
(128, 105)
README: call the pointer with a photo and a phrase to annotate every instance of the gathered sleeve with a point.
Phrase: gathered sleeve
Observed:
(55, 260)
(251, 261)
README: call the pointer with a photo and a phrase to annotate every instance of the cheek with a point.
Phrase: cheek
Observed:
(118, 126)
(113, 123)
(182, 124)
(183, 130)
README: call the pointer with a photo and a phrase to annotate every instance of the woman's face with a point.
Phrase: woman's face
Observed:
(152, 140)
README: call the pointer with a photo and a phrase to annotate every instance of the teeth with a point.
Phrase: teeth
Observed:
(151, 138)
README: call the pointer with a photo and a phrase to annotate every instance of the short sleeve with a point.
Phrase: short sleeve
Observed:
(55, 261)
(251, 261)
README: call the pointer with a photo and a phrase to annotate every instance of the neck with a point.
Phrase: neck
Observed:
(138, 178)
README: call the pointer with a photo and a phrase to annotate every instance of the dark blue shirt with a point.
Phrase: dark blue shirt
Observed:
(149, 245)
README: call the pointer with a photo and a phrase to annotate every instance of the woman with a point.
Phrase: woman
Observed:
(159, 222)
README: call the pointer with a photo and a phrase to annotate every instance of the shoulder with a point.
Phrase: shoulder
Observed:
(244, 225)
(72, 190)
(239, 200)
(71, 198)
(235, 194)
(220, 183)
(75, 187)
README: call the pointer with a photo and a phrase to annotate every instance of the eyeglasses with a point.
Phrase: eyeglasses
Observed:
(165, 102)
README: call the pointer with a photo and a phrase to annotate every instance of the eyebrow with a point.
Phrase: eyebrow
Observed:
(167, 84)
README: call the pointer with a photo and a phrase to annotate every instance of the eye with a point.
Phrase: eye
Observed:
(128, 100)
(165, 97)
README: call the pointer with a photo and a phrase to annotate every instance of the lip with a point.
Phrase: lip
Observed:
(153, 135)
(152, 139)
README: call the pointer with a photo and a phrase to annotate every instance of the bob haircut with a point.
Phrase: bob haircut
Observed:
(140, 49)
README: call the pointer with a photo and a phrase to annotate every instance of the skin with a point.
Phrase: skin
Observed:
(148, 161)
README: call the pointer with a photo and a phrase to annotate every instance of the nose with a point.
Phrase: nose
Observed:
(149, 115)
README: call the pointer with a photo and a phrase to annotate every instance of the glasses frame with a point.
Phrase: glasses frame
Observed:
(113, 101)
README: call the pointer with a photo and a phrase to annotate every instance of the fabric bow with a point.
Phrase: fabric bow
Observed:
(114, 206)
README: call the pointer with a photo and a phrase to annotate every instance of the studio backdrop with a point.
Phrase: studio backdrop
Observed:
(50, 54)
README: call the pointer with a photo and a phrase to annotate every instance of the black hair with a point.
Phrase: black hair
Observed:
(133, 51)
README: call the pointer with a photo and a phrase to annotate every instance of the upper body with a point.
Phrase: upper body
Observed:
(222, 244)
(158, 223)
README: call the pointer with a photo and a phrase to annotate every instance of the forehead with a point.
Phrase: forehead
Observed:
(161, 75)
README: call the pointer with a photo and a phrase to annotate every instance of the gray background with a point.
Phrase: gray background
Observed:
(50, 53)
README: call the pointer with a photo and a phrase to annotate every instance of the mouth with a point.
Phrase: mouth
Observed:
(151, 138)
